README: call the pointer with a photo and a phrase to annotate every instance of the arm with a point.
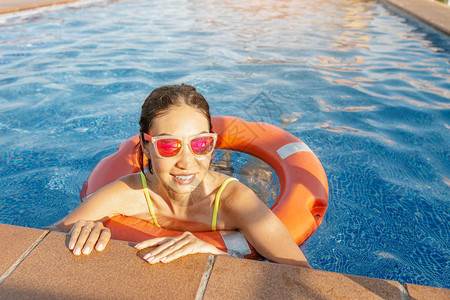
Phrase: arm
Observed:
(240, 209)
(172, 248)
(84, 223)
(243, 210)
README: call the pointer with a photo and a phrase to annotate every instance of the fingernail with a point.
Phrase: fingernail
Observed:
(77, 252)
(163, 259)
(86, 250)
(148, 256)
(100, 247)
(137, 245)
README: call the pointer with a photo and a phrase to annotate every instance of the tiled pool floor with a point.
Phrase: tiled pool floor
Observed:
(36, 264)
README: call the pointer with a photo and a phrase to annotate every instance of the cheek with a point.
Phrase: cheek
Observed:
(204, 161)
(161, 165)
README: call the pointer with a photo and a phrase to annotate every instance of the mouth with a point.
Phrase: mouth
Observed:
(184, 179)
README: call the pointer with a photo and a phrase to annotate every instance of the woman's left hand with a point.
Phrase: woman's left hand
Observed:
(171, 248)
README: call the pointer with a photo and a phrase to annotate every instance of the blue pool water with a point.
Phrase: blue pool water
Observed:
(365, 87)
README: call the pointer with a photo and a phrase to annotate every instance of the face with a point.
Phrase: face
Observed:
(180, 174)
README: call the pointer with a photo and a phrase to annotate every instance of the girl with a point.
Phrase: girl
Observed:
(178, 190)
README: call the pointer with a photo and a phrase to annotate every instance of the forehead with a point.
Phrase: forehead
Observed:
(183, 121)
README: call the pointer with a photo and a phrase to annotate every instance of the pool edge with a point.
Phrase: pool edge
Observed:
(49, 263)
(433, 13)
(21, 5)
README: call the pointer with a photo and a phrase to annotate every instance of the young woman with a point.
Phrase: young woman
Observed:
(178, 190)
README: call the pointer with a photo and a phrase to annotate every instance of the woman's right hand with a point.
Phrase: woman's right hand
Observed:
(85, 235)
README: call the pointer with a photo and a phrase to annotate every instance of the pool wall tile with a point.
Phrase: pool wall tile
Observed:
(426, 292)
(234, 278)
(52, 271)
(14, 242)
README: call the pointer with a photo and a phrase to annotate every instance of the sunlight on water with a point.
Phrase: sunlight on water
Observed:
(365, 88)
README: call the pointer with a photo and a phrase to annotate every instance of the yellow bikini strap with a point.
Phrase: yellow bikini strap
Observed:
(147, 197)
(217, 200)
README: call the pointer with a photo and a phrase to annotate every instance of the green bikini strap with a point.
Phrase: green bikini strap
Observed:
(217, 200)
(147, 197)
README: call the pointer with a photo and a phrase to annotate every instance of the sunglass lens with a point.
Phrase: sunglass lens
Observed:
(168, 147)
(202, 145)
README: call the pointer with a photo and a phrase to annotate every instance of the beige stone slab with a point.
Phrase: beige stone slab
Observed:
(434, 13)
(420, 292)
(51, 271)
(7, 6)
(14, 242)
(234, 278)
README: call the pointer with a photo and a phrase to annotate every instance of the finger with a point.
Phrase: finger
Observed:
(181, 243)
(151, 242)
(74, 233)
(178, 250)
(189, 244)
(167, 247)
(105, 236)
(92, 238)
(175, 255)
(83, 236)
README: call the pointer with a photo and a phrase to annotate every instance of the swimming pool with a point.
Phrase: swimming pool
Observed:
(366, 89)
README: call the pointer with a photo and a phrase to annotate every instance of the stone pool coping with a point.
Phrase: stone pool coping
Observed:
(10, 6)
(36, 264)
(434, 13)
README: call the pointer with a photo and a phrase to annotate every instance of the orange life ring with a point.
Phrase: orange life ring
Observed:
(301, 203)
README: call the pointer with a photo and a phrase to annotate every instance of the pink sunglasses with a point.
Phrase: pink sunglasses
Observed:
(170, 146)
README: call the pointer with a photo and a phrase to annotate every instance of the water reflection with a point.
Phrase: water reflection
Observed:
(347, 129)
(328, 107)
(355, 21)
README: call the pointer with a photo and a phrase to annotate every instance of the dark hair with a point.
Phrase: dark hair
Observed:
(160, 101)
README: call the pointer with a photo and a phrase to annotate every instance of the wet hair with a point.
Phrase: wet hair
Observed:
(160, 101)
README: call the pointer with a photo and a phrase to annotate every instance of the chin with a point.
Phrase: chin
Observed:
(182, 188)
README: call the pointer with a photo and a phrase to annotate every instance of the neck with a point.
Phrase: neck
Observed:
(176, 201)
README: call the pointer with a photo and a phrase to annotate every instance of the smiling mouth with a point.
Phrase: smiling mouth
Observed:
(184, 179)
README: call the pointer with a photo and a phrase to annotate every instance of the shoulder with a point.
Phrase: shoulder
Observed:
(237, 197)
(118, 190)
(239, 205)
(231, 189)
(130, 181)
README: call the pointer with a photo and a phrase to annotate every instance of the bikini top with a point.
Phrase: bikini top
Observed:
(216, 200)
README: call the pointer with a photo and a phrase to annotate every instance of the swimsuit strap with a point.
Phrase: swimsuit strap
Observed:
(217, 200)
(147, 197)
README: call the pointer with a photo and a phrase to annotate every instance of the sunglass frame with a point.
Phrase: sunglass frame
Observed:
(154, 139)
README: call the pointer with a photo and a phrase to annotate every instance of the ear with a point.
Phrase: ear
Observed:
(143, 147)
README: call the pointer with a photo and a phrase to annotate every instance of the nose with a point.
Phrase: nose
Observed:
(186, 158)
